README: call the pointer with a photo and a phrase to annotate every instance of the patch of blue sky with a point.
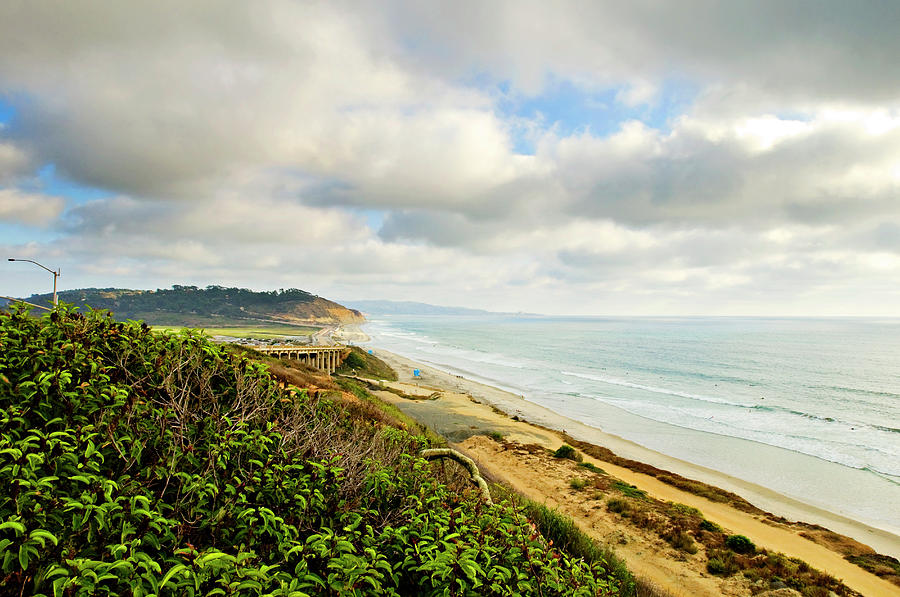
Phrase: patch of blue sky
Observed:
(7, 112)
(47, 180)
(567, 108)
(374, 218)
(795, 115)
(50, 182)
(19, 234)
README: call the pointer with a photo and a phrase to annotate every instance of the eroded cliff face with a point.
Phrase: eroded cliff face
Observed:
(320, 311)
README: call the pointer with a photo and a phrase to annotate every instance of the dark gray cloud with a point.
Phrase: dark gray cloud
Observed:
(795, 50)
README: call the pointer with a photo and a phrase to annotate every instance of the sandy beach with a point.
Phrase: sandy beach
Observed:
(465, 411)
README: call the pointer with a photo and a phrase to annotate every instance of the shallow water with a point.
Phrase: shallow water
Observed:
(750, 397)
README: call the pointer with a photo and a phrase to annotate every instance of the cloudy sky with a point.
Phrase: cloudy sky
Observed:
(594, 157)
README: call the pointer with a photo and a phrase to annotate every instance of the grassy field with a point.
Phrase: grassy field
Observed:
(266, 332)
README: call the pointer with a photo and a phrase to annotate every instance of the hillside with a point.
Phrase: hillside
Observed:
(138, 463)
(213, 305)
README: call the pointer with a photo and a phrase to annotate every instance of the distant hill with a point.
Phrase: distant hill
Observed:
(412, 308)
(213, 305)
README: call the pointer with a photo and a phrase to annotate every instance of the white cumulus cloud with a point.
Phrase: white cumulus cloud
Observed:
(31, 209)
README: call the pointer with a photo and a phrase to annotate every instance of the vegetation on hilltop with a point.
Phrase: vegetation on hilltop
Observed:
(215, 306)
(137, 464)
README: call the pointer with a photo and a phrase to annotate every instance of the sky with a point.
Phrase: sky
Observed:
(590, 158)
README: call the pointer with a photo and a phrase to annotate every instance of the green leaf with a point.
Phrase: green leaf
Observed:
(42, 536)
(23, 556)
(207, 558)
(8, 558)
(55, 570)
(172, 572)
(314, 578)
(18, 527)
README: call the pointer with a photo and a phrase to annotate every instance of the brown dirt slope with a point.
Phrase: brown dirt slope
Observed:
(319, 310)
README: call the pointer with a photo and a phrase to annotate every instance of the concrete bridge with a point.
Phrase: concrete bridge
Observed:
(326, 358)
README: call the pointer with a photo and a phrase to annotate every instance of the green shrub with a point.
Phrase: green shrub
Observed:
(876, 563)
(592, 467)
(715, 566)
(577, 484)
(565, 535)
(630, 490)
(708, 525)
(722, 562)
(566, 451)
(683, 510)
(138, 464)
(740, 544)
(641, 517)
(496, 436)
(618, 505)
(683, 541)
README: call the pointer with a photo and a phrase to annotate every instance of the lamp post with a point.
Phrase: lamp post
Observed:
(55, 275)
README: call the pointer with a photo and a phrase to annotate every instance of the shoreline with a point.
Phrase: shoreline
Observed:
(881, 540)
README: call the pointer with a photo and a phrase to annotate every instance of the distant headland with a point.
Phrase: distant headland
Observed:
(213, 305)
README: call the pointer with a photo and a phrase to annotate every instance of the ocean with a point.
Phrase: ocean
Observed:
(809, 408)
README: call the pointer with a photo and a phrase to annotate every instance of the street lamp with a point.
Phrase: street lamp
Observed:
(55, 275)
